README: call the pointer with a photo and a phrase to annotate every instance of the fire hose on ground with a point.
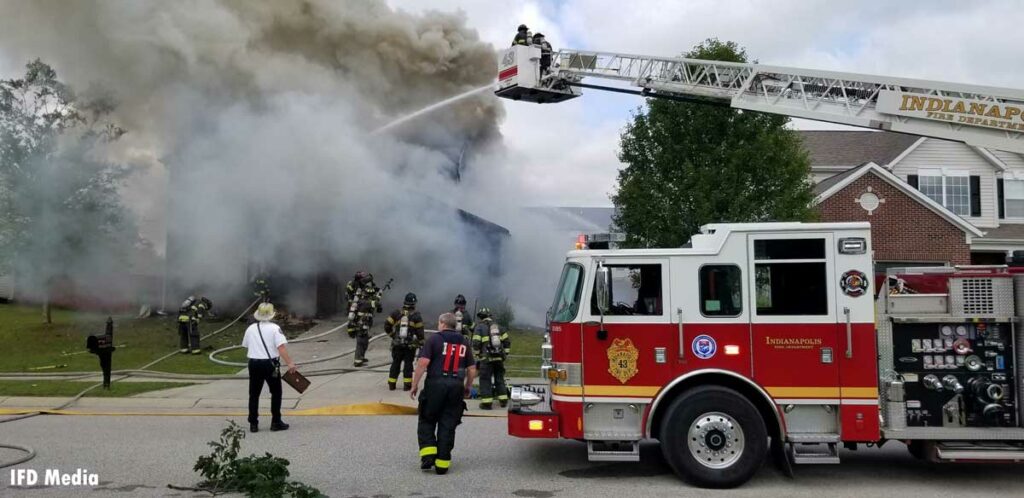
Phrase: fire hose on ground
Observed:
(30, 453)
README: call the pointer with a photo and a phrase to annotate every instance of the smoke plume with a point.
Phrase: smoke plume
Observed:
(250, 127)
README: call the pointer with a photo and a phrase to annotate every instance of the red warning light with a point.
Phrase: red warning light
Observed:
(581, 242)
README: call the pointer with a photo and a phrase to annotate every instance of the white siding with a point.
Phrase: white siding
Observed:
(1014, 170)
(1013, 161)
(934, 153)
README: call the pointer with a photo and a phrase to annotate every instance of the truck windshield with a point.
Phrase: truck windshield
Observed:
(567, 299)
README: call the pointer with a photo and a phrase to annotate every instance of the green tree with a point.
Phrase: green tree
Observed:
(688, 164)
(60, 210)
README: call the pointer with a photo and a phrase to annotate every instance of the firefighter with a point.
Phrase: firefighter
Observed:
(491, 346)
(362, 287)
(359, 329)
(463, 321)
(405, 328)
(374, 293)
(192, 310)
(522, 36)
(354, 290)
(545, 52)
(447, 360)
(261, 287)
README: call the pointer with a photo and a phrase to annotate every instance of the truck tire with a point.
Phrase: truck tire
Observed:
(713, 437)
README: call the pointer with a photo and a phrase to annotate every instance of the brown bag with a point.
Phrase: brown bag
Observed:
(298, 381)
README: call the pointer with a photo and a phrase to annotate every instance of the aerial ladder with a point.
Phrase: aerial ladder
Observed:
(980, 116)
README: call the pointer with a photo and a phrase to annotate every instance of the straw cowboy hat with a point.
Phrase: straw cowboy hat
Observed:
(265, 312)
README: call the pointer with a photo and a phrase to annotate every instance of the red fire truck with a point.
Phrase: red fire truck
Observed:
(767, 339)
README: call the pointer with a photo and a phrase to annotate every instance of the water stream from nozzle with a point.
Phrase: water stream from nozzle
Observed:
(433, 107)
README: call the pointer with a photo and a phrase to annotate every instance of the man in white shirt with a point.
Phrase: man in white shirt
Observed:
(265, 346)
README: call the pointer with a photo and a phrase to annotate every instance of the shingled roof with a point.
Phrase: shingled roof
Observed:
(853, 148)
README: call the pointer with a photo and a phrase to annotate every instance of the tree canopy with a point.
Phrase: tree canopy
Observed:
(688, 164)
(60, 209)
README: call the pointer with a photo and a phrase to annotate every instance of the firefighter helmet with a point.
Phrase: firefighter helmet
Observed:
(359, 276)
(410, 300)
(460, 300)
(484, 313)
(522, 27)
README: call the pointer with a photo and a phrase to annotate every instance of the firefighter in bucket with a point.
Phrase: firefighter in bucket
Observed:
(492, 347)
(405, 328)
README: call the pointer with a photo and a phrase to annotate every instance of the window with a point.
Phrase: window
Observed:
(1013, 197)
(634, 290)
(567, 299)
(721, 291)
(790, 276)
(951, 189)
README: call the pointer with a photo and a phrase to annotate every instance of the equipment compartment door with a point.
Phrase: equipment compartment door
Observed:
(794, 325)
(627, 361)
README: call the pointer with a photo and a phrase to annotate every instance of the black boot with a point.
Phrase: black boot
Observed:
(407, 386)
(254, 427)
(426, 463)
(391, 386)
(278, 426)
(503, 402)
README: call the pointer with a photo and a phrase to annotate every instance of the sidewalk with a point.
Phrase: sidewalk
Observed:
(361, 392)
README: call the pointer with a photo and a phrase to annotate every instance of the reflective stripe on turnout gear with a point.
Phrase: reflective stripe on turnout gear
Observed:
(428, 450)
(391, 380)
(442, 464)
(487, 400)
(502, 397)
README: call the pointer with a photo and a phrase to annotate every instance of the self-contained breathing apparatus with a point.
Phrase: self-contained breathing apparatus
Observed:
(494, 343)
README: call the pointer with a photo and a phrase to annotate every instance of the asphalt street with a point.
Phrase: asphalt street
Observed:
(377, 457)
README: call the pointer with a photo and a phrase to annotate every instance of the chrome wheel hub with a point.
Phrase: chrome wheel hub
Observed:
(715, 440)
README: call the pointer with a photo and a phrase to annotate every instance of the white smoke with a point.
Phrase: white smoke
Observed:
(250, 127)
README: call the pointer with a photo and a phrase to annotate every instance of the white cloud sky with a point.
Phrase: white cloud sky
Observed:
(568, 151)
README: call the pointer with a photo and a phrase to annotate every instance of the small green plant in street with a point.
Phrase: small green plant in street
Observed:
(257, 476)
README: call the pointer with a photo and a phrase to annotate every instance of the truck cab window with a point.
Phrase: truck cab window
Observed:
(635, 290)
(790, 277)
(721, 290)
(567, 300)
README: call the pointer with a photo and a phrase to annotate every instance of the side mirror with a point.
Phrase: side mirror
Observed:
(603, 292)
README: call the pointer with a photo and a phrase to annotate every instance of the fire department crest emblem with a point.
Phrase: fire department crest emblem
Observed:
(622, 357)
(704, 346)
(854, 283)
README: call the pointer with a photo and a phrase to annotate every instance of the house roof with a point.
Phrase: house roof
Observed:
(853, 148)
(1006, 231)
(823, 186)
(847, 177)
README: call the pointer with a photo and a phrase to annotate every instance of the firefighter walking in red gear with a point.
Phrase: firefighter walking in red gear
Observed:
(447, 360)
(405, 328)
(491, 346)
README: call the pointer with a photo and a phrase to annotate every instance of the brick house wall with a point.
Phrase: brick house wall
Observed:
(902, 229)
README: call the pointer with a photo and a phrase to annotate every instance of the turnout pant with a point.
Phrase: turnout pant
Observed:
(260, 372)
(362, 343)
(492, 381)
(188, 335)
(402, 358)
(440, 412)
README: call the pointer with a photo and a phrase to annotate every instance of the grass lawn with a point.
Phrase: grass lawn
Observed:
(525, 342)
(31, 344)
(63, 388)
